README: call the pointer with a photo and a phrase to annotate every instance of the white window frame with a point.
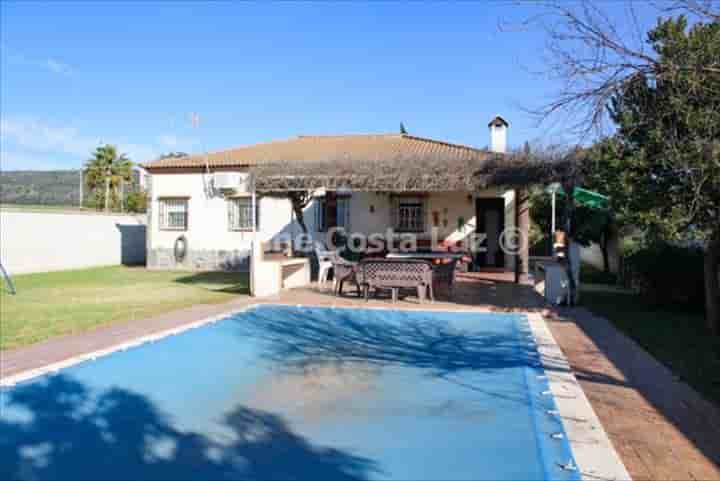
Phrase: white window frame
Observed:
(409, 214)
(167, 206)
(234, 204)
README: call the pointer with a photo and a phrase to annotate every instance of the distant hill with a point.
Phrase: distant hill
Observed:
(54, 187)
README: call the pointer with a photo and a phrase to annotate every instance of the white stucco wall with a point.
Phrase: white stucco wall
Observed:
(208, 215)
(208, 230)
(51, 241)
(457, 205)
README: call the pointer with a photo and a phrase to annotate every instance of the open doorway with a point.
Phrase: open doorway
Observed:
(490, 215)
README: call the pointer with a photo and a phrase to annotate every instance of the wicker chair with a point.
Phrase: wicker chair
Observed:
(396, 274)
(344, 271)
(444, 276)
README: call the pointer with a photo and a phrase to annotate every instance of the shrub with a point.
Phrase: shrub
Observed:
(136, 202)
(668, 274)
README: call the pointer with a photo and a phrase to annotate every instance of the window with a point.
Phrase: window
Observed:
(410, 214)
(173, 214)
(240, 213)
(333, 211)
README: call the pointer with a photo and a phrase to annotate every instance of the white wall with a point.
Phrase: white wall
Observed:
(457, 205)
(50, 241)
(208, 229)
(208, 216)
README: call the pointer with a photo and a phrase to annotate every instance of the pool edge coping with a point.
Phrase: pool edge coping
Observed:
(590, 445)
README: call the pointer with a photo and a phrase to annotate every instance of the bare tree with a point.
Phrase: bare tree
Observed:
(662, 90)
(594, 58)
(702, 9)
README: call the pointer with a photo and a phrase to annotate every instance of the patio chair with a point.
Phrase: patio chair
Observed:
(396, 274)
(444, 276)
(325, 263)
(344, 271)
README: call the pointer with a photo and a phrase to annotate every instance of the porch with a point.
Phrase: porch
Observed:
(492, 289)
(468, 222)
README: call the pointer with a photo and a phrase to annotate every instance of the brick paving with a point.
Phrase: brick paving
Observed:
(661, 428)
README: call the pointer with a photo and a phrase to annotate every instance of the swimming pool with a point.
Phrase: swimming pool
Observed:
(281, 392)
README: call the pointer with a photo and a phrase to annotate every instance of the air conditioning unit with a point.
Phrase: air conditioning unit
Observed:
(232, 182)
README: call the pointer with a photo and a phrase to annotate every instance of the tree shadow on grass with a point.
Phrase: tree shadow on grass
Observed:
(56, 428)
(230, 282)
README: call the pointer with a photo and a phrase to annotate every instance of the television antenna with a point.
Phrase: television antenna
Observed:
(195, 123)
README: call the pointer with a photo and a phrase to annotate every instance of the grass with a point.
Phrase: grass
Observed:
(676, 338)
(592, 275)
(51, 207)
(67, 302)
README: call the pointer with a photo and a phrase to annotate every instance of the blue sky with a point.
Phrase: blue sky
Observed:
(77, 74)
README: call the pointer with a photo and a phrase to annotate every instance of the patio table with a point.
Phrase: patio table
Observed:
(426, 255)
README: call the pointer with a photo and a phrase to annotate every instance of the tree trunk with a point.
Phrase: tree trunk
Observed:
(299, 201)
(604, 250)
(122, 195)
(712, 285)
(299, 216)
(107, 193)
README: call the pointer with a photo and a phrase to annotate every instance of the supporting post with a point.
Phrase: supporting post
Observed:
(524, 228)
(253, 242)
(552, 228)
(80, 196)
(517, 223)
(522, 224)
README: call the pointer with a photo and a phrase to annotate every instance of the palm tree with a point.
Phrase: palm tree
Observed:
(107, 169)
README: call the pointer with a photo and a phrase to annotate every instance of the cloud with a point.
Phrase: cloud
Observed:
(173, 142)
(12, 160)
(170, 141)
(37, 136)
(50, 64)
(58, 67)
(30, 140)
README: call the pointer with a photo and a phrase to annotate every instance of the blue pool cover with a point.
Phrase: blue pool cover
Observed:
(281, 392)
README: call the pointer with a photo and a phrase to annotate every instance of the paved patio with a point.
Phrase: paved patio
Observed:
(661, 428)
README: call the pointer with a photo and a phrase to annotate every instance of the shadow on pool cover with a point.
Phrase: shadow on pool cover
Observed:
(70, 431)
(299, 339)
(70, 434)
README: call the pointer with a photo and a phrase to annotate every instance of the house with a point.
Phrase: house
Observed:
(216, 227)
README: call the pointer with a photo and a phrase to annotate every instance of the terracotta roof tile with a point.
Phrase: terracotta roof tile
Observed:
(322, 148)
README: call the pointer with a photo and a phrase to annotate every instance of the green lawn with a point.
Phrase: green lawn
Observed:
(677, 339)
(591, 275)
(56, 303)
(51, 207)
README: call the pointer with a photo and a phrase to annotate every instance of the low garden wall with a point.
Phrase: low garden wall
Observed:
(50, 241)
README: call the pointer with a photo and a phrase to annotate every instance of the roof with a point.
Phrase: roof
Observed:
(324, 148)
